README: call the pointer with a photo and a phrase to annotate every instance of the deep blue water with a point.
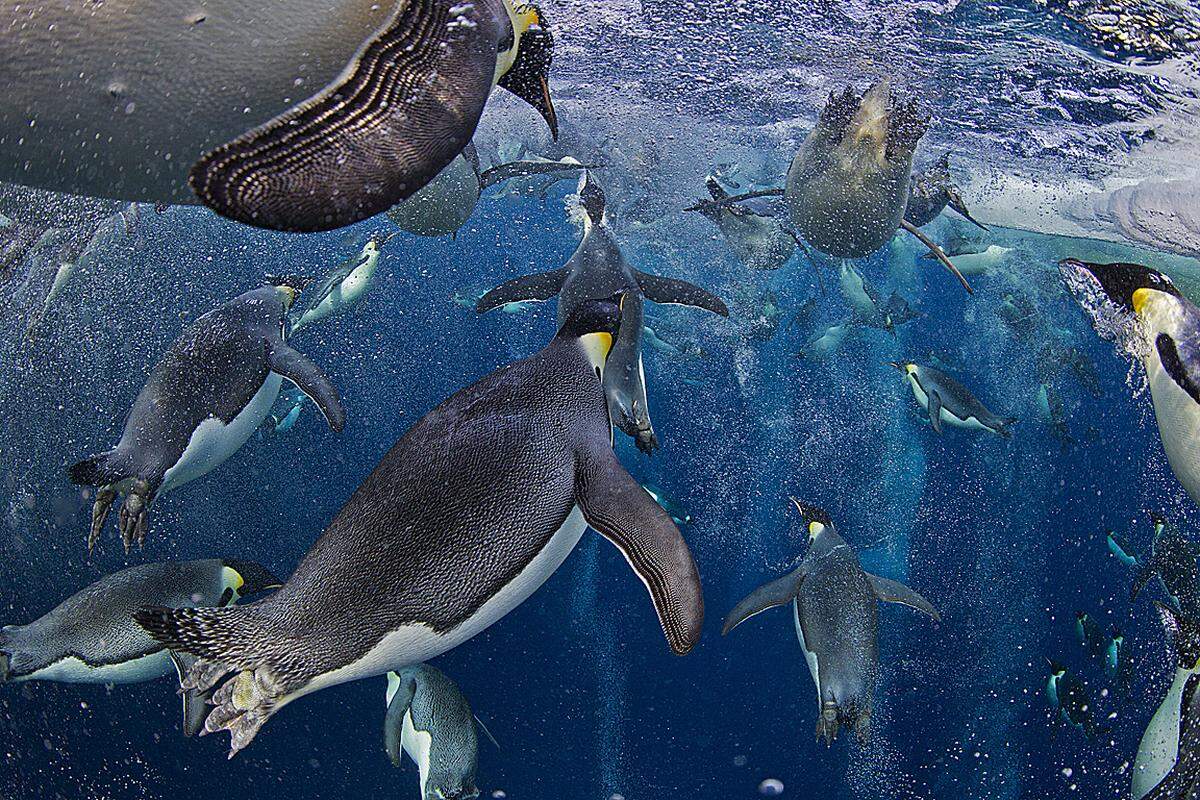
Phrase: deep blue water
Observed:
(1005, 537)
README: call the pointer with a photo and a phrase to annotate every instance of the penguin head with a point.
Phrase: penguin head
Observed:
(905, 368)
(1056, 669)
(595, 325)
(289, 286)
(1158, 521)
(816, 518)
(1113, 295)
(248, 578)
(528, 77)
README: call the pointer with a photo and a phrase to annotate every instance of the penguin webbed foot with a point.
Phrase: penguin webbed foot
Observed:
(242, 705)
(827, 724)
(134, 518)
(646, 441)
(105, 496)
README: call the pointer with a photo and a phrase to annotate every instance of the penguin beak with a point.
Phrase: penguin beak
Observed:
(529, 76)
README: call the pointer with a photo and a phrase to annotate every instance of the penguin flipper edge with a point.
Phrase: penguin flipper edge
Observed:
(307, 376)
(539, 286)
(393, 722)
(890, 591)
(769, 595)
(935, 411)
(664, 291)
(624, 513)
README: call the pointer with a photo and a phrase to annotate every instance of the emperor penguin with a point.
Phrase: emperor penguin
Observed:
(1173, 561)
(204, 399)
(468, 514)
(833, 607)
(445, 204)
(597, 269)
(1070, 701)
(428, 718)
(848, 186)
(931, 192)
(295, 116)
(343, 288)
(91, 637)
(949, 402)
(1167, 764)
(752, 227)
(1140, 309)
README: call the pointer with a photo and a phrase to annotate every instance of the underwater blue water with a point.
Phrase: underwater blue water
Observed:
(1005, 537)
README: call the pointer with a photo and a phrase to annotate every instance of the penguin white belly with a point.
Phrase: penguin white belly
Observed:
(73, 670)
(1159, 746)
(416, 743)
(213, 441)
(814, 667)
(342, 296)
(1178, 419)
(923, 399)
(414, 644)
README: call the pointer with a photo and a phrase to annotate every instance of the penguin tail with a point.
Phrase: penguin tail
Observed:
(103, 469)
(224, 641)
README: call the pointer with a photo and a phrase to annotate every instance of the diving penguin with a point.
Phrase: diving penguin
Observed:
(295, 116)
(848, 186)
(204, 399)
(1070, 700)
(428, 718)
(833, 606)
(1169, 745)
(598, 269)
(342, 289)
(948, 401)
(1140, 309)
(468, 514)
(1089, 634)
(931, 192)
(91, 637)
(445, 204)
(752, 227)
(1173, 561)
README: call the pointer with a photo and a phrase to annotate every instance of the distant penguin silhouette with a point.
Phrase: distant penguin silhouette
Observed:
(833, 605)
(753, 228)
(1070, 701)
(91, 637)
(466, 516)
(598, 269)
(1173, 561)
(204, 399)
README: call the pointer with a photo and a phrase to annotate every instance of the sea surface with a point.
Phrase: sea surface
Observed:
(1046, 113)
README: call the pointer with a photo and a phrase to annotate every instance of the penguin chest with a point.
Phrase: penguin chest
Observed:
(417, 744)
(214, 441)
(418, 642)
(1159, 747)
(73, 670)
(1178, 419)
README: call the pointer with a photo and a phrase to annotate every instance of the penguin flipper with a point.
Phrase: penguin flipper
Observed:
(519, 169)
(308, 378)
(769, 595)
(393, 721)
(890, 591)
(1173, 363)
(1144, 573)
(195, 702)
(658, 289)
(539, 286)
(624, 513)
(402, 109)
(935, 411)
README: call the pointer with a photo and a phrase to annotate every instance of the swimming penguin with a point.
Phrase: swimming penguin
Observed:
(598, 269)
(828, 342)
(292, 116)
(342, 289)
(1140, 309)
(204, 399)
(833, 606)
(669, 504)
(870, 310)
(1173, 561)
(990, 258)
(1089, 634)
(948, 401)
(1070, 700)
(1120, 548)
(753, 228)
(765, 322)
(91, 637)
(847, 188)
(1118, 665)
(445, 204)
(428, 718)
(1051, 411)
(931, 191)
(1175, 725)
(469, 513)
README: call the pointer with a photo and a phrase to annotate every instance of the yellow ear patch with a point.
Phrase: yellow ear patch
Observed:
(524, 17)
(597, 346)
(233, 578)
(1140, 298)
(814, 529)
